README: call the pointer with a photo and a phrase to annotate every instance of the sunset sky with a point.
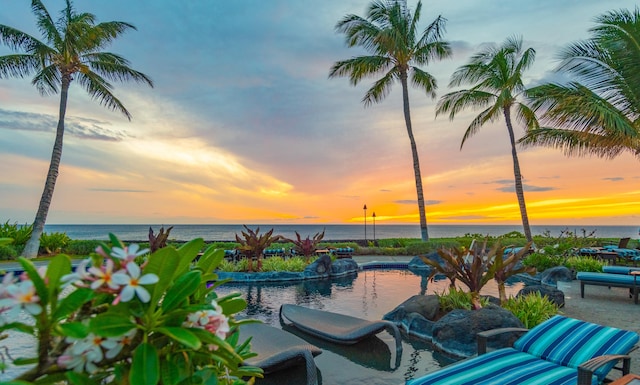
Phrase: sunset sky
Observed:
(244, 125)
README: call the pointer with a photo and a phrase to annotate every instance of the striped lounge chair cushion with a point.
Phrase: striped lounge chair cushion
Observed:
(502, 367)
(570, 342)
(619, 269)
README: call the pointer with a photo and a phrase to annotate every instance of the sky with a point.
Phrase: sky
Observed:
(243, 124)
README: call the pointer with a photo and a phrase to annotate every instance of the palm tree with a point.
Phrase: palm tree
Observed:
(71, 51)
(389, 33)
(596, 112)
(496, 75)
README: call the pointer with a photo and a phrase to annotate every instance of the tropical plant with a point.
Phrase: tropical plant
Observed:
(532, 309)
(466, 266)
(160, 322)
(81, 246)
(596, 111)
(583, 263)
(158, 241)
(390, 34)
(457, 299)
(254, 244)
(543, 261)
(503, 269)
(71, 51)
(19, 233)
(496, 74)
(51, 243)
(306, 247)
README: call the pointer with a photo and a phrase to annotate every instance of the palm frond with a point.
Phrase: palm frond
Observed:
(46, 25)
(380, 89)
(360, 67)
(457, 101)
(491, 113)
(100, 90)
(424, 81)
(114, 67)
(526, 116)
(47, 80)
(18, 65)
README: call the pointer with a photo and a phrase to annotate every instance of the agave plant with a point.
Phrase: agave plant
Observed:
(306, 247)
(254, 244)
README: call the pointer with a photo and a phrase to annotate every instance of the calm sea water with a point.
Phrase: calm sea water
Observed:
(332, 232)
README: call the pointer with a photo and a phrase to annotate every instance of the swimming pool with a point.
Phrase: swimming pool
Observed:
(370, 294)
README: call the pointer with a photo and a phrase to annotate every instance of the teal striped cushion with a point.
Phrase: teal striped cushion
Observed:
(502, 367)
(570, 342)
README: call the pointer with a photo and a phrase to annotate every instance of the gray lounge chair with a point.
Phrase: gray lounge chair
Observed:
(335, 327)
(278, 350)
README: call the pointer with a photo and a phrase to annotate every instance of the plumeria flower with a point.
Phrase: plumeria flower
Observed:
(7, 281)
(91, 346)
(80, 274)
(119, 343)
(129, 253)
(103, 276)
(213, 321)
(21, 295)
(84, 362)
(132, 281)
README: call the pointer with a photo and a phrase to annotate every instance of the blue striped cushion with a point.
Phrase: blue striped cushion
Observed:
(624, 279)
(502, 367)
(570, 342)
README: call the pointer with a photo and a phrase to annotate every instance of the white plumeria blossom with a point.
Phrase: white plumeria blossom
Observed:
(119, 343)
(214, 321)
(21, 295)
(132, 281)
(80, 274)
(128, 253)
(7, 281)
(103, 276)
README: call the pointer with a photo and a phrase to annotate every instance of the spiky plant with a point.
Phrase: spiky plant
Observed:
(254, 244)
(306, 247)
(158, 241)
(503, 268)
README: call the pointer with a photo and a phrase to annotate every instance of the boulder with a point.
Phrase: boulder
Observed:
(556, 296)
(456, 332)
(344, 266)
(555, 274)
(426, 306)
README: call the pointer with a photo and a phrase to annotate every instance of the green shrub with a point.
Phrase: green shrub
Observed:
(8, 252)
(417, 248)
(584, 264)
(224, 245)
(19, 233)
(457, 299)
(81, 247)
(532, 309)
(53, 242)
(543, 261)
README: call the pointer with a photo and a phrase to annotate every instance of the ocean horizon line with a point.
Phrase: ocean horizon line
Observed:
(227, 232)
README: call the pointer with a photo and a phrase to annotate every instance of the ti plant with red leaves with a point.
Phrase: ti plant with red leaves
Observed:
(306, 247)
(158, 241)
(503, 268)
(254, 244)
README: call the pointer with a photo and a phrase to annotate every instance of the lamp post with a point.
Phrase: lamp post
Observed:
(374, 226)
(365, 222)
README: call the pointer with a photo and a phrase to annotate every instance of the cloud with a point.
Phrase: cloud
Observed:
(82, 128)
(526, 187)
(114, 190)
(415, 202)
(614, 179)
(467, 217)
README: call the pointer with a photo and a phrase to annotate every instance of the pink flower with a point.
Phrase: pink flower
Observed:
(128, 254)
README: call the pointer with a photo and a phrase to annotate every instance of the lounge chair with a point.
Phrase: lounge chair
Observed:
(335, 327)
(629, 280)
(343, 252)
(559, 351)
(278, 350)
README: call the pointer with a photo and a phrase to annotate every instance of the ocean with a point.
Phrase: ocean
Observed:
(332, 232)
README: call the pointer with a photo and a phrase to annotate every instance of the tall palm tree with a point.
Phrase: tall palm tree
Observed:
(71, 50)
(390, 34)
(496, 74)
(597, 112)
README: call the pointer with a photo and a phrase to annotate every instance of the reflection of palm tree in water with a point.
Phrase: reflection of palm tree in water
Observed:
(424, 280)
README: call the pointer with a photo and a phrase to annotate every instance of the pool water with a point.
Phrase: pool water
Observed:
(370, 294)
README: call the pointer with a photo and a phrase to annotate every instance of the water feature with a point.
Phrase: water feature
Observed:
(370, 294)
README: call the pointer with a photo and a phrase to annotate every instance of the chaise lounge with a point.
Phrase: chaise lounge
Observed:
(559, 351)
(613, 279)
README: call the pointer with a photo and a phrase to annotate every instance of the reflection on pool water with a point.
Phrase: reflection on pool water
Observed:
(370, 294)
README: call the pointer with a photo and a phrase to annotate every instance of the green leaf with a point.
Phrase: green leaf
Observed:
(169, 372)
(59, 266)
(109, 325)
(188, 252)
(115, 242)
(181, 335)
(145, 368)
(164, 264)
(37, 280)
(233, 306)
(25, 361)
(74, 329)
(78, 378)
(183, 287)
(73, 302)
(210, 259)
(18, 326)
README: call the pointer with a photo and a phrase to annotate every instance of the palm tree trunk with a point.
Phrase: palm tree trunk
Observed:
(33, 244)
(416, 162)
(518, 177)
